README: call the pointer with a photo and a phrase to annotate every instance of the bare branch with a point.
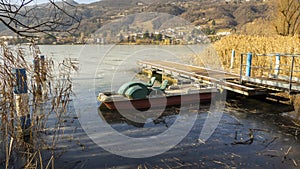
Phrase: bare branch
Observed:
(28, 19)
(287, 19)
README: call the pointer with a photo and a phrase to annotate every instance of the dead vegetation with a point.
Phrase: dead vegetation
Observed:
(49, 91)
(257, 45)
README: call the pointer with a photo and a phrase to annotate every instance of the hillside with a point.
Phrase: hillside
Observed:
(213, 16)
(216, 15)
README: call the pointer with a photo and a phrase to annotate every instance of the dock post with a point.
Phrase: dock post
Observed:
(232, 59)
(277, 65)
(22, 100)
(291, 74)
(248, 65)
(241, 68)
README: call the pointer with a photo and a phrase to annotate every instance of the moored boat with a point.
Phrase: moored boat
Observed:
(139, 96)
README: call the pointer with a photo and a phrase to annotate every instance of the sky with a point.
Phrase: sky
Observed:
(78, 1)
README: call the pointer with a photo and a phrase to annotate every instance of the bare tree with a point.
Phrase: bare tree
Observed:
(26, 18)
(287, 21)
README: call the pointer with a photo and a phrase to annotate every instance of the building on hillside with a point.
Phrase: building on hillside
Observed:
(223, 33)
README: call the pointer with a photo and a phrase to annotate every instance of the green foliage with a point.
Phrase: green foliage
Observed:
(209, 31)
(146, 35)
(158, 37)
(213, 22)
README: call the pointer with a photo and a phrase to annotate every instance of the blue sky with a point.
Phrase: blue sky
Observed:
(78, 1)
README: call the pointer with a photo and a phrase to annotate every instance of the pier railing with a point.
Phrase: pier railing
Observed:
(275, 66)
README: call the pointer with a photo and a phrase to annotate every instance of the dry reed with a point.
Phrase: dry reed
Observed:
(262, 65)
(257, 45)
(25, 147)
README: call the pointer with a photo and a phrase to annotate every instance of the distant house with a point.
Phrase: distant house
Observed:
(140, 4)
(140, 35)
(223, 33)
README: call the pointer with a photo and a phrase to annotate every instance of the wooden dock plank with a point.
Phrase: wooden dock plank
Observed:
(279, 83)
(189, 68)
(220, 79)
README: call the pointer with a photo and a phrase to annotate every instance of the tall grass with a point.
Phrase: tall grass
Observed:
(25, 147)
(262, 45)
(257, 45)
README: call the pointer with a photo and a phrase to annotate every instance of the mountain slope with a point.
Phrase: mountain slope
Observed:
(215, 15)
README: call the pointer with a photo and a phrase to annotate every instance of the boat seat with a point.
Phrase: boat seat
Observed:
(151, 82)
(163, 86)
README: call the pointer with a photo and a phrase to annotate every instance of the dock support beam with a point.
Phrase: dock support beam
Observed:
(248, 65)
(241, 68)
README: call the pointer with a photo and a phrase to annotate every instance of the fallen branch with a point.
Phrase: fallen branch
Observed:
(286, 154)
(271, 141)
(295, 163)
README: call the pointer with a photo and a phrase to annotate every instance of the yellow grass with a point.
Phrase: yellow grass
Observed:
(257, 45)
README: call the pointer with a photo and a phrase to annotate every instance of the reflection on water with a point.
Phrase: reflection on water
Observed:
(150, 127)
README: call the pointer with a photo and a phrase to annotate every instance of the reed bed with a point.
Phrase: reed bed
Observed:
(258, 45)
(25, 147)
(263, 65)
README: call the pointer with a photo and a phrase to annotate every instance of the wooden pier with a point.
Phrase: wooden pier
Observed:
(237, 83)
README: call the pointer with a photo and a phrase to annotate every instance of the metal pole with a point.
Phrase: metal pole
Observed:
(241, 69)
(271, 64)
(232, 59)
(277, 65)
(291, 75)
(248, 65)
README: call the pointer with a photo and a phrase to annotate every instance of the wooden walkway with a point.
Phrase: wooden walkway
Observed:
(220, 79)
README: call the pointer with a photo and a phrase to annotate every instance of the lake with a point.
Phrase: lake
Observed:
(111, 140)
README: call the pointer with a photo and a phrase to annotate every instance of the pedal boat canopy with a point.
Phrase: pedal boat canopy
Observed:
(134, 90)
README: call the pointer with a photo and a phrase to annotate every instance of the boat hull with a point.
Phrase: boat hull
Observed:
(158, 102)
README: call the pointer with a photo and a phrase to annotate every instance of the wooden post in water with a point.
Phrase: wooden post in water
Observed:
(277, 65)
(22, 99)
(241, 68)
(291, 74)
(232, 59)
(248, 65)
